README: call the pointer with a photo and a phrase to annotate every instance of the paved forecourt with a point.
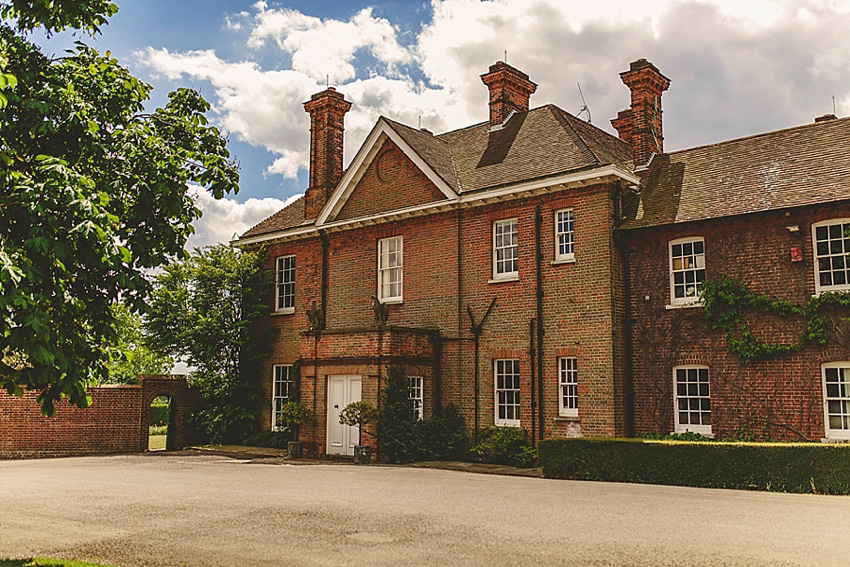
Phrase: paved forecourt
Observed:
(184, 509)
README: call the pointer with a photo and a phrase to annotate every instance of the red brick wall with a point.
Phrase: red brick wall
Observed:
(779, 398)
(581, 312)
(391, 182)
(116, 422)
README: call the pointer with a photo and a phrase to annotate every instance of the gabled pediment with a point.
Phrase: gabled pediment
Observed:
(388, 174)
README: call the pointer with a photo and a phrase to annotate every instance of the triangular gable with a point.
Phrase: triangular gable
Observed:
(389, 183)
(366, 166)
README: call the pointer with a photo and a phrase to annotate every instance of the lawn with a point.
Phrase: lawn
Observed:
(45, 562)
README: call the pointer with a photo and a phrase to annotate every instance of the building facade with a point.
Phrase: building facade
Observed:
(515, 269)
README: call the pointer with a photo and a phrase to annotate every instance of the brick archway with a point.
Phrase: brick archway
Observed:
(184, 400)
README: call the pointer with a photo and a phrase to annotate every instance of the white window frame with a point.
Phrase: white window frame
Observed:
(283, 383)
(506, 397)
(285, 279)
(499, 273)
(415, 394)
(845, 223)
(387, 270)
(568, 386)
(565, 230)
(841, 400)
(690, 265)
(692, 395)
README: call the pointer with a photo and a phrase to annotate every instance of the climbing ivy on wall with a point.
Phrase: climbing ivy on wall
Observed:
(727, 301)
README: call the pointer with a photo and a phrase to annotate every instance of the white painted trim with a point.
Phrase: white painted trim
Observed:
(701, 429)
(818, 289)
(829, 434)
(562, 411)
(685, 301)
(477, 198)
(503, 422)
(361, 161)
(505, 276)
(559, 258)
(395, 298)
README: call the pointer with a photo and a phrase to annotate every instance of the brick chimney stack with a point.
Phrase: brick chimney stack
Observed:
(510, 90)
(327, 111)
(640, 125)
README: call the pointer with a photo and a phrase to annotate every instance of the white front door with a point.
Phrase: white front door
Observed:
(342, 390)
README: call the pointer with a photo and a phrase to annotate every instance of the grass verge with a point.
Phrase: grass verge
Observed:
(46, 562)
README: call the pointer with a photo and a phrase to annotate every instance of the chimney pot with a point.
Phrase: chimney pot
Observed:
(510, 91)
(826, 118)
(327, 126)
(640, 124)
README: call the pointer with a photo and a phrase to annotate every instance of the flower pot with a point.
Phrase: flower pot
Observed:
(362, 454)
(295, 449)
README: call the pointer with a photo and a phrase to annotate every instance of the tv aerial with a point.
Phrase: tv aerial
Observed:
(584, 108)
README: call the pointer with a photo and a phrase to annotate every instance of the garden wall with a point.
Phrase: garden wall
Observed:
(116, 422)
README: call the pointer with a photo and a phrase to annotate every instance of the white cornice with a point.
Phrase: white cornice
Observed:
(478, 198)
(361, 161)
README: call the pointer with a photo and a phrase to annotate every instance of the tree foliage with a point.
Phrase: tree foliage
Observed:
(204, 309)
(397, 420)
(131, 355)
(93, 194)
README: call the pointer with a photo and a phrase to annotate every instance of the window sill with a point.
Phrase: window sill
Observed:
(559, 261)
(287, 311)
(835, 440)
(504, 279)
(683, 305)
(566, 418)
(392, 301)
(506, 424)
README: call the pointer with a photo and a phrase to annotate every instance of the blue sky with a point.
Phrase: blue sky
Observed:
(737, 68)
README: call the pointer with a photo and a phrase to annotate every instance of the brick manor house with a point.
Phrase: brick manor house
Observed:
(538, 272)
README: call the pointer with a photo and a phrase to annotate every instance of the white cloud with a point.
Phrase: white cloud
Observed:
(737, 67)
(326, 48)
(224, 219)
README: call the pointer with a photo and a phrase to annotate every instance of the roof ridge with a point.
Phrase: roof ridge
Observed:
(558, 114)
(761, 135)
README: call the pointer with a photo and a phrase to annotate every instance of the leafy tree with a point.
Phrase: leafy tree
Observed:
(397, 421)
(204, 309)
(93, 194)
(131, 354)
(358, 414)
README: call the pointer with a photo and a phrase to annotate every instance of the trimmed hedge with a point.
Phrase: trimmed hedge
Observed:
(781, 467)
(159, 414)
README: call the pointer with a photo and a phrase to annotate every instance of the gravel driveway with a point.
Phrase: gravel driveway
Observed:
(205, 510)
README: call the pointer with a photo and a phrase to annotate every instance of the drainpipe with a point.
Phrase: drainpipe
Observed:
(460, 337)
(476, 330)
(533, 403)
(538, 224)
(325, 245)
(628, 367)
(438, 357)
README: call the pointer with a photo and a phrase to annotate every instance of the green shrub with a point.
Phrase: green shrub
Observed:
(443, 436)
(159, 414)
(505, 446)
(781, 467)
(397, 422)
(274, 439)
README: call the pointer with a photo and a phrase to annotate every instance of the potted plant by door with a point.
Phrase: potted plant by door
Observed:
(290, 417)
(358, 414)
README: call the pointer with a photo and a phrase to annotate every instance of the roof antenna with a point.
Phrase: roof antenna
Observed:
(505, 60)
(584, 107)
(833, 106)
(327, 81)
(420, 121)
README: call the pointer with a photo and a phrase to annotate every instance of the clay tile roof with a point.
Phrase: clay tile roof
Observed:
(290, 216)
(539, 143)
(793, 167)
(433, 150)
